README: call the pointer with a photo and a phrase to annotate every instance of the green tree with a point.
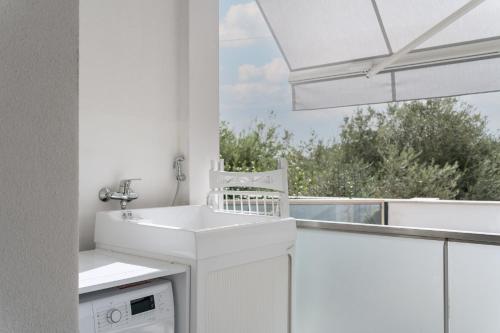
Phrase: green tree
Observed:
(437, 148)
(259, 147)
(328, 173)
(443, 132)
(487, 179)
(402, 175)
(254, 150)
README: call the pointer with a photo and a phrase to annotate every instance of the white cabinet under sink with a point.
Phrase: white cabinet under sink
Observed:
(240, 264)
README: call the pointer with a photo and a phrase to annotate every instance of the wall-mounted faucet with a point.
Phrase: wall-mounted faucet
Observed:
(179, 175)
(125, 194)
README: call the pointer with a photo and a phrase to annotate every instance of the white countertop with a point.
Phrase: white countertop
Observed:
(100, 269)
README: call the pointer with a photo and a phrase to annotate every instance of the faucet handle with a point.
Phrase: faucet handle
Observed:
(125, 184)
(128, 181)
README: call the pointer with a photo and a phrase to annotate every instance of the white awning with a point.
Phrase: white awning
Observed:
(356, 52)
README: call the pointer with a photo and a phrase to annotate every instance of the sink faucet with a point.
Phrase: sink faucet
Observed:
(125, 194)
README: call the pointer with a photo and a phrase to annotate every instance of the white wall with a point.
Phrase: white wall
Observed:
(202, 94)
(148, 90)
(38, 165)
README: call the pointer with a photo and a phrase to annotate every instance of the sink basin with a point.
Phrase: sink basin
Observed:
(189, 232)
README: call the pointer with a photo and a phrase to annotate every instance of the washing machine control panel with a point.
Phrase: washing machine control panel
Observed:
(134, 308)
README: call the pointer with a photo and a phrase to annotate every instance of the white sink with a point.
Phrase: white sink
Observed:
(190, 232)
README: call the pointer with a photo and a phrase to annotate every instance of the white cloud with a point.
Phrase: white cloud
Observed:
(261, 83)
(275, 71)
(242, 25)
(248, 72)
(246, 91)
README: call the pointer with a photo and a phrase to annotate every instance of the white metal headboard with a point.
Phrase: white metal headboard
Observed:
(256, 193)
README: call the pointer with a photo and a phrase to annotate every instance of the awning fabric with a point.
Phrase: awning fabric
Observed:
(331, 45)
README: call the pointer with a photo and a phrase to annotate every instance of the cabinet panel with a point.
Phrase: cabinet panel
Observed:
(250, 298)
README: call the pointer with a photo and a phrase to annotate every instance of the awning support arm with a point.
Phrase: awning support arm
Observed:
(424, 37)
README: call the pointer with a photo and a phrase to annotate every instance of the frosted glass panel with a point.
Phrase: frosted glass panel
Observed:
(353, 91)
(360, 283)
(482, 217)
(320, 32)
(369, 213)
(474, 288)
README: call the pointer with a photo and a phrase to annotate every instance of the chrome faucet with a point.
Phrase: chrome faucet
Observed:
(125, 194)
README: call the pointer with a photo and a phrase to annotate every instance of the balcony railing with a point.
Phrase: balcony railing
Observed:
(359, 277)
(470, 216)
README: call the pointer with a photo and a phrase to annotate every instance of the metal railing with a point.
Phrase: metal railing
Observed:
(398, 231)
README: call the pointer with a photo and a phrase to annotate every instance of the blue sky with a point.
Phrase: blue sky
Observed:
(254, 80)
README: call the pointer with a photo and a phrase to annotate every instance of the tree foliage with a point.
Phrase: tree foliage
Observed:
(437, 148)
(254, 150)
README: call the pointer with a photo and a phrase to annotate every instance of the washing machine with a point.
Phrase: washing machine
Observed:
(143, 308)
